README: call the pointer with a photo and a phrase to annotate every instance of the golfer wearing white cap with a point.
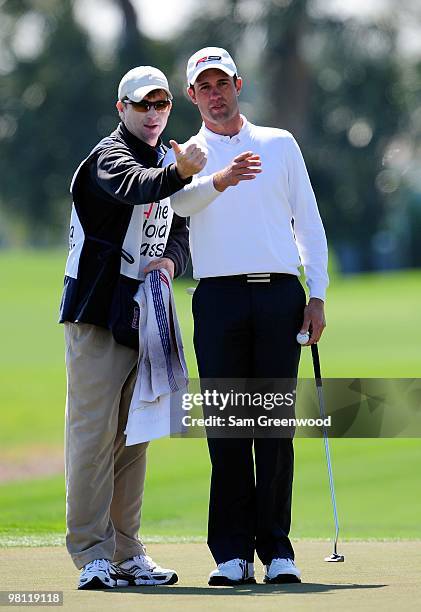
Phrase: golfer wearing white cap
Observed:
(122, 226)
(247, 245)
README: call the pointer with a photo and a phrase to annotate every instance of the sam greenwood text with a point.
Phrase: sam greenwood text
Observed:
(261, 421)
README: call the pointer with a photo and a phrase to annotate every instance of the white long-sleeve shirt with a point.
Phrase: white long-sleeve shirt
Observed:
(269, 224)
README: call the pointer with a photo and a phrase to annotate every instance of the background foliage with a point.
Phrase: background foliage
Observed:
(341, 85)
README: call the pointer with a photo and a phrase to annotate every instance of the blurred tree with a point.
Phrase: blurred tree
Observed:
(286, 72)
(330, 83)
(130, 38)
(51, 100)
(339, 85)
(56, 102)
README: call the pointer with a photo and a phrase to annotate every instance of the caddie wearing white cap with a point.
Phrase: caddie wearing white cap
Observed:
(122, 226)
(247, 245)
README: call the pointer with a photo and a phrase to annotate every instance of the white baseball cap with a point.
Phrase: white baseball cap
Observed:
(210, 57)
(138, 82)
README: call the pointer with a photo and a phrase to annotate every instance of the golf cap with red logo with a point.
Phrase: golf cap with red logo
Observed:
(139, 81)
(210, 57)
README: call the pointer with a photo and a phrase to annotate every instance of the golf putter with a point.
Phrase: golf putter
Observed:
(334, 557)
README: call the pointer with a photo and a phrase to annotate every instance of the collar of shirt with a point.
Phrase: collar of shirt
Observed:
(229, 140)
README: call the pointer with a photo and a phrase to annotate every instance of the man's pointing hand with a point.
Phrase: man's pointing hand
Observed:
(244, 167)
(188, 160)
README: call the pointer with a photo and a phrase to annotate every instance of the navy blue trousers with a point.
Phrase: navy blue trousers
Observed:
(248, 330)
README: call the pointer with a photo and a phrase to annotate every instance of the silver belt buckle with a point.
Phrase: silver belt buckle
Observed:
(260, 277)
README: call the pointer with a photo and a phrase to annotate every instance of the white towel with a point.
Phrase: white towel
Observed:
(162, 376)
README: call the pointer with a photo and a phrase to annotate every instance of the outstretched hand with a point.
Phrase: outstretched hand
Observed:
(244, 167)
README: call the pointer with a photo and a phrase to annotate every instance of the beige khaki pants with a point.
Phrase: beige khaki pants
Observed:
(104, 478)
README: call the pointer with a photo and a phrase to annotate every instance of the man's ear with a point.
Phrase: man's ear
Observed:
(120, 108)
(238, 85)
(191, 94)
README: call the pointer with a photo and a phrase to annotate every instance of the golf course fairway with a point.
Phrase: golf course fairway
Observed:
(376, 575)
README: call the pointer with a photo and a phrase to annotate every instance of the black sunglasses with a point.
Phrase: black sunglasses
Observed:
(145, 105)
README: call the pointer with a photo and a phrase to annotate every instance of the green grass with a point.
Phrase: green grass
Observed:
(377, 484)
(372, 332)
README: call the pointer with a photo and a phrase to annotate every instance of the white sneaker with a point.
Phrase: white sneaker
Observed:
(282, 571)
(96, 575)
(141, 570)
(235, 571)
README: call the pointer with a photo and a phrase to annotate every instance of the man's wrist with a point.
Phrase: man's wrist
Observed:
(169, 259)
(182, 176)
(171, 262)
(219, 182)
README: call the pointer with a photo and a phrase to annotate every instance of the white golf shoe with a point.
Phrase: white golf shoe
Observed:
(141, 570)
(96, 575)
(282, 571)
(230, 573)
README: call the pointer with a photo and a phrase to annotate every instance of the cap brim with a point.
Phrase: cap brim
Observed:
(138, 94)
(218, 66)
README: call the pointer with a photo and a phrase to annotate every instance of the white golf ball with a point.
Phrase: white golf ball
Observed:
(303, 338)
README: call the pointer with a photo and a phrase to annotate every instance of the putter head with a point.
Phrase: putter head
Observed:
(335, 558)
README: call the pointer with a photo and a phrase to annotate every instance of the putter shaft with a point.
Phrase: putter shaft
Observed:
(318, 377)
